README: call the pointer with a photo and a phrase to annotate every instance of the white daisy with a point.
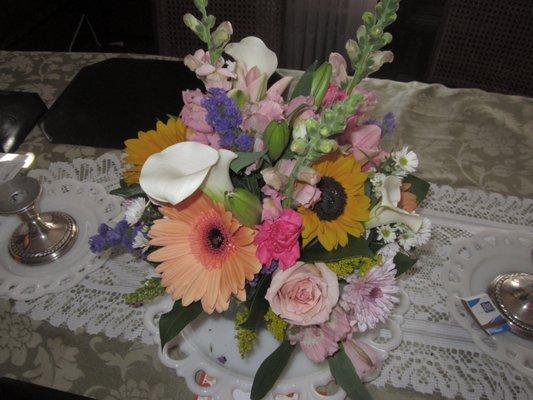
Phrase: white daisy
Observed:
(140, 241)
(389, 251)
(134, 210)
(386, 233)
(419, 238)
(406, 161)
(377, 182)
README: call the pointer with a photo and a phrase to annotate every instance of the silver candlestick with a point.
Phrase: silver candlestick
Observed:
(42, 237)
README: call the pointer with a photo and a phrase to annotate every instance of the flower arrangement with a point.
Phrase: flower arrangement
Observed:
(280, 202)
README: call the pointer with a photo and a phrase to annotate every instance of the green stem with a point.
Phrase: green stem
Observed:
(359, 72)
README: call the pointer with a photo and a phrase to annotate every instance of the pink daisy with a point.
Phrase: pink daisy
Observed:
(369, 300)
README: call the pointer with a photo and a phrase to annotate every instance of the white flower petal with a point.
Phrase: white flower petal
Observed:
(176, 172)
(252, 51)
(218, 181)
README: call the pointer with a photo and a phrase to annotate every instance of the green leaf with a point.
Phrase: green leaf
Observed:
(248, 182)
(128, 191)
(346, 377)
(354, 248)
(403, 263)
(245, 158)
(257, 305)
(419, 187)
(270, 370)
(303, 87)
(172, 323)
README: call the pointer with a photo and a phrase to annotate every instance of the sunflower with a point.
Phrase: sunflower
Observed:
(206, 254)
(343, 206)
(151, 142)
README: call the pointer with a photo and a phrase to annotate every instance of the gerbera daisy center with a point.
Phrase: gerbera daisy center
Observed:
(333, 200)
(215, 238)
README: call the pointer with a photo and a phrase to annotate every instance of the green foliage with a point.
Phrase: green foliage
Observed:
(245, 337)
(270, 370)
(419, 187)
(245, 158)
(303, 87)
(173, 322)
(346, 377)
(276, 138)
(276, 325)
(150, 289)
(347, 266)
(403, 263)
(128, 191)
(356, 247)
(257, 304)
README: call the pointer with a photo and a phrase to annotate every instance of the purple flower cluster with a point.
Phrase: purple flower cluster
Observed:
(266, 270)
(224, 115)
(121, 234)
(387, 125)
(222, 111)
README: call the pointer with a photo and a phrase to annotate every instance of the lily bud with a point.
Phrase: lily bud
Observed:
(222, 35)
(276, 138)
(191, 21)
(320, 83)
(363, 357)
(298, 146)
(327, 146)
(244, 206)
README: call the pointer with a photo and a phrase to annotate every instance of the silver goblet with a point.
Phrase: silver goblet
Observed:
(42, 237)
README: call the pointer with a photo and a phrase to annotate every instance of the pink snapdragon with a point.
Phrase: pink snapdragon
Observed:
(193, 113)
(213, 76)
(278, 239)
(333, 94)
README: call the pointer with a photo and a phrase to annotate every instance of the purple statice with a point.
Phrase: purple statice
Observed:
(244, 142)
(121, 234)
(222, 359)
(222, 111)
(97, 243)
(227, 140)
(265, 270)
(387, 125)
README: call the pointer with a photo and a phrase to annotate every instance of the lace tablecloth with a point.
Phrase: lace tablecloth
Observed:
(436, 354)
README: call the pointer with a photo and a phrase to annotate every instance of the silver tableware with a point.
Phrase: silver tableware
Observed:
(42, 237)
(513, 294)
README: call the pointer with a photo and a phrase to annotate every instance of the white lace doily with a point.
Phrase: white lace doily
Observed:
(436, 355)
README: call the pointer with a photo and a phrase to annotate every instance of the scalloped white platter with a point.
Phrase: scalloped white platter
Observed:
(210, 337)
(89, 204)
(472, 265)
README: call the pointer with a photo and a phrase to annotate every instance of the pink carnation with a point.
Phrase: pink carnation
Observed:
(278, 239)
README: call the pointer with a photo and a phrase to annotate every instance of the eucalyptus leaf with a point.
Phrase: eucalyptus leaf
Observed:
(356, 247)
(270, 370)
(419, 187)
(346, 377)
(128, 191)
(403, 263)
(173, 322)
(303, 87)
(245, 158)
(257, 305)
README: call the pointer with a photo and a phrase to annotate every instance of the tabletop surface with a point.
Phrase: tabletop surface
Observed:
(464, 138)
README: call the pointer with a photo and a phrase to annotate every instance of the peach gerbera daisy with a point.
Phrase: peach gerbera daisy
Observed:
(207, 254)
(151, 142)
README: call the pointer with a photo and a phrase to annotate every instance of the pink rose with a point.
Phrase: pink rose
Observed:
(304, 294)
(333, 94)
(193, 114)
(363, 357)
(278, 239)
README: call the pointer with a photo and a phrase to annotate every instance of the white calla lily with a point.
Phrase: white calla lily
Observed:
(179, 170)
(252, 51)
(218, 181)
(387, 210)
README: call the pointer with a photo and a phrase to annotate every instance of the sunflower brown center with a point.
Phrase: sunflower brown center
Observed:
(333, 199)
(215, 238)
